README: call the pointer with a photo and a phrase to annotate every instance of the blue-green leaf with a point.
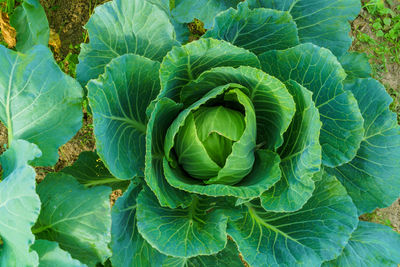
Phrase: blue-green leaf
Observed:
(356, 65)
(229, 256)
(51, 255)
(90, 171)
(321, 22)
(306, 237)
(186, 63)
(300, 154)
(257, 30)
(119, 100)
(19, 205)
(196, 230)
(318, 70)
(30, 22)
(162, 116)
(38, 102)
(370, 245)
(131, 26)
(186, 11)
(79, 219)
(128, 246)
(371, 178)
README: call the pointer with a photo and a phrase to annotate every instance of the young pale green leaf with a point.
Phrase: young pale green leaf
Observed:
(257, 30)
(321, 22)
(371, 178)
(185, 11)
(356, 65)
(51, 255)
(128, 246)
(240, 162)
(119, 100)
(77, 218)
(19, 205)
(132, 26)
(196, 230)
(229, 256)
(30, 22)
(164, 113)
(300, 154)
(184, 64)
(370, 245)
(90, 171)
(306, 237)
(318, 70)
(271, 100)
(264, 174)
(38, 102)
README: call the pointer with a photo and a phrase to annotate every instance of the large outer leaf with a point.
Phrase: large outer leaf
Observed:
(300, 154)
(78, 219)
(322, 22)
(164, 113)
(120, 27)
(257, 30)
(30, 21)
(38, 102)
(196, 230)
(306, 237)
(273, 104)
(119, 99)
(370, 245)
(51, 255)
(185, 11)
(19, 205)
(319, 71)
(356, 65)
(186, 63)
(372, 177)
(229, 256)
(128, 246)
(90, 171)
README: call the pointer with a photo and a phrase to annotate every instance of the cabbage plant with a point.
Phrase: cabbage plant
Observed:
(261, 143)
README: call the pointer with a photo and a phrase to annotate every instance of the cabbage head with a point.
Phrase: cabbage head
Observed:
(264, 137)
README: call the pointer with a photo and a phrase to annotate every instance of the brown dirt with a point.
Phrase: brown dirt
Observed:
(67, 18)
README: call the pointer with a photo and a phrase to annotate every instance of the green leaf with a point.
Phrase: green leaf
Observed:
(196, 230)
(272, 102)
(321, 22)
(264, 174)
(19, 205)
(184, 64)
(257, 30)
(162, 116)
(300, 154)
(50, 255)
(30, 22)
(119, 100)
(229, 256)
(371, 178)
(318, 70)
(306, 237)
(186, 11)
(151, 35)
(38, 102)
(128, 246)
(356, 65)
(90, 171)
(370, 245)
(77, 218)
